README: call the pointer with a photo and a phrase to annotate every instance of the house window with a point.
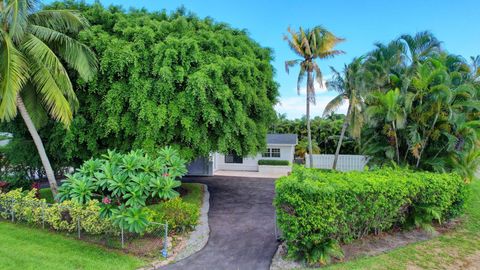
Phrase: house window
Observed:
(272, 152)
(233, 158)
(275, 152)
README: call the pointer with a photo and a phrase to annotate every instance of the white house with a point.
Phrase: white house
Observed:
(279, 147)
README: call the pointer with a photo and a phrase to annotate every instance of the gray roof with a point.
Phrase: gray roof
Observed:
(282, 139)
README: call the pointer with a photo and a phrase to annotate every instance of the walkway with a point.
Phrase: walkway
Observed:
(241, 222)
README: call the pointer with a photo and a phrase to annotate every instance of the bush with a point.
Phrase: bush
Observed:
(318, 210)
(63, 217)
(273, 162)
(125, 184)
(179, 215)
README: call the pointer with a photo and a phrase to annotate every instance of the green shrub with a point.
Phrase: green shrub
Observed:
(46, 193)
(63, 216)
(180, 216)
(318, 210)
(125, 184)
(273, 162)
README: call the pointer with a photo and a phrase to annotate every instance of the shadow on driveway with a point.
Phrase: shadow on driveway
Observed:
(241, 220)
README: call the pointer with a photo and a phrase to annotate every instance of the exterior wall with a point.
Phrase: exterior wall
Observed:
(268, 169)
(251, 163)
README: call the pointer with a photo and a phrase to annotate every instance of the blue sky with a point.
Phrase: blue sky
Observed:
(362, 23)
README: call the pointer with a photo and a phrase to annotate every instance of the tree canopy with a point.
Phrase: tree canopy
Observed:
(168, 79)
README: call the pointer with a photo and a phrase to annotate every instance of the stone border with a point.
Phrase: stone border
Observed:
(197, 239)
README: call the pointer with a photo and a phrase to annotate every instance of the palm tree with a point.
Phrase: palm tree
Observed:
(349, 87)
(311, 44)
(389, 109)
(34, 45)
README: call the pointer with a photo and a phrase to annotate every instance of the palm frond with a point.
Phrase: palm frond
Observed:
(334, 104)
(52, 95)
(36, 49)
(13, 76)
(76, 54)
(65, 21)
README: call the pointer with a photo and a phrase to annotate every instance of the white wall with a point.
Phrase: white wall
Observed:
(251, 163)
(345, 162)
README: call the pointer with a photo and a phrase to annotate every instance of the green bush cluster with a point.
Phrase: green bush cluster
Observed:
(181, 216)
(317, 210)
(273, 162)
(63, 216)
(125, 183)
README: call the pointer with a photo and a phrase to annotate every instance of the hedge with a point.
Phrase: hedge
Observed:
(273, 162)
(319, 210)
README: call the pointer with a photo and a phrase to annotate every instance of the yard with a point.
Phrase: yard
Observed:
(459, 249)
(24, 247)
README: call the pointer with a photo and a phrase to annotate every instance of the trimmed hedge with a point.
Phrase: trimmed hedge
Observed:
(273, 162)
(317, 210)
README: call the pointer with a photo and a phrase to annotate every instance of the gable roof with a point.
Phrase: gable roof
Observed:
(282, 139)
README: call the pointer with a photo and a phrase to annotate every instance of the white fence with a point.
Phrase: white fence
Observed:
(345, 162)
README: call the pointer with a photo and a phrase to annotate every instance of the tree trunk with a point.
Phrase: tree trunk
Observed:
(426, 139)
(342, 134)
(309, 132)
(38, 143)
(396, 142)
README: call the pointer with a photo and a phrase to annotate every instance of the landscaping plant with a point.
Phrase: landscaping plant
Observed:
(318, 210)
(125, 183)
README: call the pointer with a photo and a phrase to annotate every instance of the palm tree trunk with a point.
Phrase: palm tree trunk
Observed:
(397, 150)
(426, 139)
(309, 132)
(38, 143)
(342, 134)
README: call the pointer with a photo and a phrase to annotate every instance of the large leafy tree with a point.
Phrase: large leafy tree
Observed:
(34, 47)
(169, 79)
(350, 86)
(309, 45)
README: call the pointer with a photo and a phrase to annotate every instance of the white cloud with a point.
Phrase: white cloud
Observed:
(294, 106)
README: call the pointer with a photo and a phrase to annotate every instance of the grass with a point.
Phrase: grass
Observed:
(23, 247)
(458, 249)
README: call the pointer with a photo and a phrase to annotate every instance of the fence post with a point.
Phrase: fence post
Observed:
(165, 242)
(122, 238)
(12, 210)
(43, 215)
(78, 227)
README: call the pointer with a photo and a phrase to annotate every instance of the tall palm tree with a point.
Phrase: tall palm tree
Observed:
(309, 45)
(388, 109)
(34, 45)
(349, 86)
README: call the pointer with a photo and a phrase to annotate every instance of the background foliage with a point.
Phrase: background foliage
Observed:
(165, 79)
(325, 134)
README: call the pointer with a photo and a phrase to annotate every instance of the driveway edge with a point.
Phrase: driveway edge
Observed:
(199, 237)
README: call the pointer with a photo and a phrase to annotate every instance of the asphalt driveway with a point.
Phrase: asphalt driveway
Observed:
(241, 220)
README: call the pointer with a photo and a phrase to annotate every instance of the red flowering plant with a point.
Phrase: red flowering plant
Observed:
(124, 181)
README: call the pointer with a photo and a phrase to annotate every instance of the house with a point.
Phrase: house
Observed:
(279, 147)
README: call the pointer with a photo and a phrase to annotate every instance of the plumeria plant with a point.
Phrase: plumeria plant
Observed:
(125, 183)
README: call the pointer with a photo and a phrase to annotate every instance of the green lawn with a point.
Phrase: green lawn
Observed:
(23, 247)
(459, 249)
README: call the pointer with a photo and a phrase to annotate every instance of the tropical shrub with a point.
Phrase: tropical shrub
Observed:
(180, 216)
(125, 183)
(273, 162)
(317, 210)
(64, 216)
